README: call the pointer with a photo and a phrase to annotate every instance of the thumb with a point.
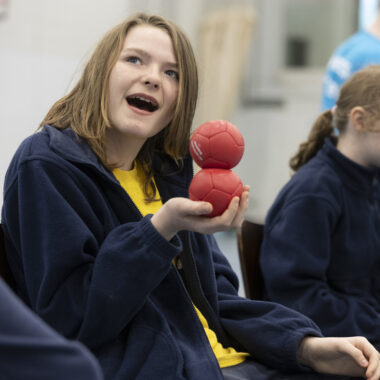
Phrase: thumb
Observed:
(187, 207)
(358, 356)
(201, 208)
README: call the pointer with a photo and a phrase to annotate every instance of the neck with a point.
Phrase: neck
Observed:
(374, 29)
(350, 147)
(122, 150)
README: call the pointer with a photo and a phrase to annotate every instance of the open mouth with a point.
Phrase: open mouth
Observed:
(142, 103)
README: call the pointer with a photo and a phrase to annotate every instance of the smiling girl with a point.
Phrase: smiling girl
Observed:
(105, 245)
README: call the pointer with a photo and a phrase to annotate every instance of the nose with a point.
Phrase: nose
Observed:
(152, 78)
(150, 83)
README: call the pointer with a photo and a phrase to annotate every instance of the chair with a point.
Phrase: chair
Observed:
(249, 238)
(5, 271)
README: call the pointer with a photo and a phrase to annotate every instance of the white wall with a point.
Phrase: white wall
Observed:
(272, 135)
(42, 45)
(323, 24)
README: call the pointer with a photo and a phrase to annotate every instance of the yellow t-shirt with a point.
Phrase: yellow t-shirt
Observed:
(132, 182)
(227, 357)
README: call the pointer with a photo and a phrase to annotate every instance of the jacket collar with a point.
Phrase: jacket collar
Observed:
(75, 149)
(70, 146)
(354, 175)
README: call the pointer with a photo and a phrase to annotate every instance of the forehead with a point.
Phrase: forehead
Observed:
(151, 39)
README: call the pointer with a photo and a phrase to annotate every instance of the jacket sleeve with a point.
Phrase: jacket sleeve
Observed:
(86, 285)
(270, 332)
(295, 256)
(31, 350)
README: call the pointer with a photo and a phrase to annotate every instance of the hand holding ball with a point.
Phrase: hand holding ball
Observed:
(217, 186)
(216, 147)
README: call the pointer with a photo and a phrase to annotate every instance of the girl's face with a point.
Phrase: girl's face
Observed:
(143, 84)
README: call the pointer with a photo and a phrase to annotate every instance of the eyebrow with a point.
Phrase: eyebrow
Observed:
(146, 55)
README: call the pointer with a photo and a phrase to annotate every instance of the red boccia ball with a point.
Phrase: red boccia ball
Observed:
(217, 186)
(217, 144)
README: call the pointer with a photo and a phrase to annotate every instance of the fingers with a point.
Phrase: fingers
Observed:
(353, 356)
(373, 370)
(229, 214)
(243, 207)
(357, 355)
(244, 200)
(234, 215)
(371, 357)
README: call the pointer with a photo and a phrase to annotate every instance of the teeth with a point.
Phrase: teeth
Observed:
(143, 99)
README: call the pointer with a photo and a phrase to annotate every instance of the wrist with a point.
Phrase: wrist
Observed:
(162, 227)
(303, 352)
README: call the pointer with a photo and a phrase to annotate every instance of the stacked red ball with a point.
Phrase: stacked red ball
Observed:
(216, 146)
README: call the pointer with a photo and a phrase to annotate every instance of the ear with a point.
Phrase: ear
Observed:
(357, 118)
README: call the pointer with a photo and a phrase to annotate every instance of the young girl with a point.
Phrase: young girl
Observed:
(321, 250)
(106, 246)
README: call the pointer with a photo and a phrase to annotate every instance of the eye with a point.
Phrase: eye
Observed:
(172, 74)
(133, 59)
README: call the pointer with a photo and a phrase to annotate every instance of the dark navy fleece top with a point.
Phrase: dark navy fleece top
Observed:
(96, 270)
(31, 350)
(321, 249)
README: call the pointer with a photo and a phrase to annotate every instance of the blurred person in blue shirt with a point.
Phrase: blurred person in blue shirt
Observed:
(358, 51)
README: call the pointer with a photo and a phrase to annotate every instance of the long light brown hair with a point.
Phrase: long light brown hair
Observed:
(85, 107)
(361, 90)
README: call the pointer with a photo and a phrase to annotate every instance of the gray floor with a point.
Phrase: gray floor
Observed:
(228, 245)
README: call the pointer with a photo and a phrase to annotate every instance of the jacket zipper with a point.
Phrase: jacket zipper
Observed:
(195, 315)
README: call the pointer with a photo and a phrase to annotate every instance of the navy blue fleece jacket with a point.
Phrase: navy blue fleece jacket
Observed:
(91, 266)
(321, 248)
(31, 350)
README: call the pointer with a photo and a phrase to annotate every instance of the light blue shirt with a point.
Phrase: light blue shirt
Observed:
(360, 50)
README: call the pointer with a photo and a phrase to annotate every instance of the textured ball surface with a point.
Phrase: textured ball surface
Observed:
(217, 186)
(217, 144)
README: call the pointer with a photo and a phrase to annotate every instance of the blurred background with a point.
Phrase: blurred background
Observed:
(261, 66)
